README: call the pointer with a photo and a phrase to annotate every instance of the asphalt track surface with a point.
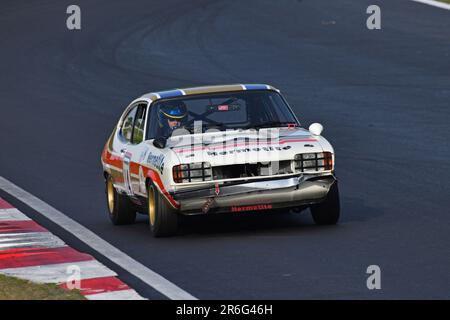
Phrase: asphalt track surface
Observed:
(383, 97)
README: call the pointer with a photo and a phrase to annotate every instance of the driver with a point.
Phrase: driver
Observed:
(171, 116)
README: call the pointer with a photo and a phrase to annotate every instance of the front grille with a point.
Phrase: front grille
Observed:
(251, 170)
(313, 162)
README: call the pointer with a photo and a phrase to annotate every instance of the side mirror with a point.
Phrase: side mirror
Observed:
(316, 129)
(160, 142)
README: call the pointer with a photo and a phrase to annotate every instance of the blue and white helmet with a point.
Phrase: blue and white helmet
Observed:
(172, 110)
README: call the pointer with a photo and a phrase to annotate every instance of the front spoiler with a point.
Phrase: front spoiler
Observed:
(294, 191)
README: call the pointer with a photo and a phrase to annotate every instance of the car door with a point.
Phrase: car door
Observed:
(126, 134)
(137, 151)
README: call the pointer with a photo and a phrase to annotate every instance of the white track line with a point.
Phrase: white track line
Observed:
(433, 3)
(115, 295)
(57, 273)
(134, 267)
(12, 215)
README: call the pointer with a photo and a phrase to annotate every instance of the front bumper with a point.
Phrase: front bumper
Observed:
(294, 191)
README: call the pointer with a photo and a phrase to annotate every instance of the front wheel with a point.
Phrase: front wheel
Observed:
(327, 212)
(163, 218)
(120, 209)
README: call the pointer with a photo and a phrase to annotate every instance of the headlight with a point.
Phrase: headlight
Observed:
(313, 162)
(193, 172)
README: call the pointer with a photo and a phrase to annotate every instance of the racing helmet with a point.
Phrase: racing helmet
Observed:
(175, 110)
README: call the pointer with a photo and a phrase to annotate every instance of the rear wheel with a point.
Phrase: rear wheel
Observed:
(328, 211)
(163, 218)
(120, 209)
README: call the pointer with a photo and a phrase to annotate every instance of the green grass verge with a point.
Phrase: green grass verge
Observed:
(18, 289)
(446, 1)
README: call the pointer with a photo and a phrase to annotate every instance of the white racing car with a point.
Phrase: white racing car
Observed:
(231, 148)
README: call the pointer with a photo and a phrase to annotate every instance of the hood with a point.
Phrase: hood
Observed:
(244, 146)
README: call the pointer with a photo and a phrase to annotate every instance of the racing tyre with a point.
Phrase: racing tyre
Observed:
(327, 212)
(120, 209)
(163, 218)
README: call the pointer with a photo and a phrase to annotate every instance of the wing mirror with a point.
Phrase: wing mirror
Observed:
(160, 142)
(316, 129)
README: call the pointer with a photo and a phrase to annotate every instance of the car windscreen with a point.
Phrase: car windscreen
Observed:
(222, 111)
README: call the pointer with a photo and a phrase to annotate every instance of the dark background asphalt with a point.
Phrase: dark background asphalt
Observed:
(383, 97)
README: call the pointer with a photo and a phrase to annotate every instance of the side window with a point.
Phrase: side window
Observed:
(127, 126)
(138, 131)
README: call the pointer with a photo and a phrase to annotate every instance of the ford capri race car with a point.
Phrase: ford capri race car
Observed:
(217, 149)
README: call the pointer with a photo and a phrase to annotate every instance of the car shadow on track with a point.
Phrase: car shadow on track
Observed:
(249, 223)
(269, 222)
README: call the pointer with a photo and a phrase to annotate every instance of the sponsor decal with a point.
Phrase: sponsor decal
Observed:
(251, 208)
(244, 150)
(156, 161)
(192, 155)
(142, 156)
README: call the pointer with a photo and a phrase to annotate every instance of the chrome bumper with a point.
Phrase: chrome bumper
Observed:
(278, 193)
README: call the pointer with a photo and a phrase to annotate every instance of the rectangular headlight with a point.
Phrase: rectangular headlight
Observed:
(194, 166)
(313, 162)
(192, 172)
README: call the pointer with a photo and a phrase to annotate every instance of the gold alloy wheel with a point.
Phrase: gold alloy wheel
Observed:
(151, 205)
(110, 192)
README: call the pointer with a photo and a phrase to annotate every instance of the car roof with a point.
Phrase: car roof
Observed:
(205, 89)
